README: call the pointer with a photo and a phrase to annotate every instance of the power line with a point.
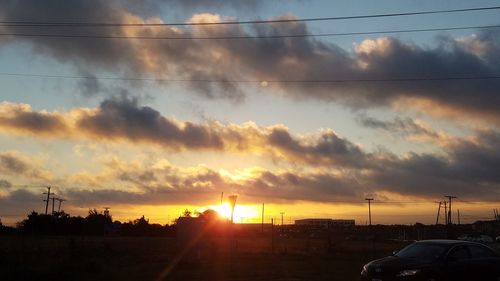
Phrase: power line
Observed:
(329, 81)
(242, 37)
(315, 19)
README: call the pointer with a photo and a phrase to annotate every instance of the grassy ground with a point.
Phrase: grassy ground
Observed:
(117, 258)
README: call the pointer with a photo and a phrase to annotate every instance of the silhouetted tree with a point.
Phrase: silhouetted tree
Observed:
(187, 213)
(95, 222)
(209, 215)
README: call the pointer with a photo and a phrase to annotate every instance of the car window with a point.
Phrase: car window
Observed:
(422, 251)
(479, 252)
(458, 254)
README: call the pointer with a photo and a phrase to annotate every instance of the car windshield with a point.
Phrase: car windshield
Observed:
(422, 251)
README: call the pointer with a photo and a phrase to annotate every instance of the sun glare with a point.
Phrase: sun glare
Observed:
(242, 213)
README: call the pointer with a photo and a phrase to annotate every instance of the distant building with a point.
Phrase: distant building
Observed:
(325, 223)
(343, 222)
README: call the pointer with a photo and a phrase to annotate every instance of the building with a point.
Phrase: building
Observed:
(324, 223)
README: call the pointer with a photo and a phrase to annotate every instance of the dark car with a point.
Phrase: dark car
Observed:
(436, 260)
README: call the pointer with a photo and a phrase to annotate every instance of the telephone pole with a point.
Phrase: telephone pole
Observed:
(47, 200)
(53, 200)
(449, 207)
(369, 210)
(262, 217)
(282, 213)
(445, 212)
(60, 201)
(439, 210)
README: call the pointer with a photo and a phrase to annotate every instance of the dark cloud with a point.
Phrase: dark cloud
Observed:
(468, 169)
(21, 118)
(327, 148)
(18, 203)
(319, 187)
(216, 4)
(279, 59)
(5, 183)
(89, 86)
(203, 187)
(123, 118)
(14, 164)
(403, 126)
(11, 164)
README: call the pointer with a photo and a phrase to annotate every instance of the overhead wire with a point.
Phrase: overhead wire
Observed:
(242, 37)
(281, 20)
(324, 81)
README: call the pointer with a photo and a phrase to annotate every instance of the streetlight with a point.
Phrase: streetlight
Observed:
(232, 204)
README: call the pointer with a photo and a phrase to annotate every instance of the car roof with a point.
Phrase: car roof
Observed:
(447, 242)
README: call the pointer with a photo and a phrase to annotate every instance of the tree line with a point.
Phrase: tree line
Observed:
(95, 223)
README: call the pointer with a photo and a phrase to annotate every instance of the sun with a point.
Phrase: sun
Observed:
(224, 210)
(242, 213)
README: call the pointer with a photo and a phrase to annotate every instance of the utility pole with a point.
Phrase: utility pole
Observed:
(53, 200)
(449, 207)
(60, 201)
(282, 213)
(47, 200)
(439, 210)
(221, 197)
(458, 216)
(369, 210)
(445, 212)
(272, 235)
(262, 217)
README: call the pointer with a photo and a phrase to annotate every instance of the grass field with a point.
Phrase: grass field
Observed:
(119, 258)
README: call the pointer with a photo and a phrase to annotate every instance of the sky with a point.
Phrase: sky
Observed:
(308, 125)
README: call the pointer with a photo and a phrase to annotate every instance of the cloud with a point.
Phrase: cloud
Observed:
(89, 86)
(21, 118)
(468, 169)
(280, 59)
(413, 130)
(15, 164)
(326, 148)
(465, 167)
(5, 183)
(123, 119)
(10, 163)
(18, 203)
(200, 185)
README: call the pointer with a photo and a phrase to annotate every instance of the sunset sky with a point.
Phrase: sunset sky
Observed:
(308, 125)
